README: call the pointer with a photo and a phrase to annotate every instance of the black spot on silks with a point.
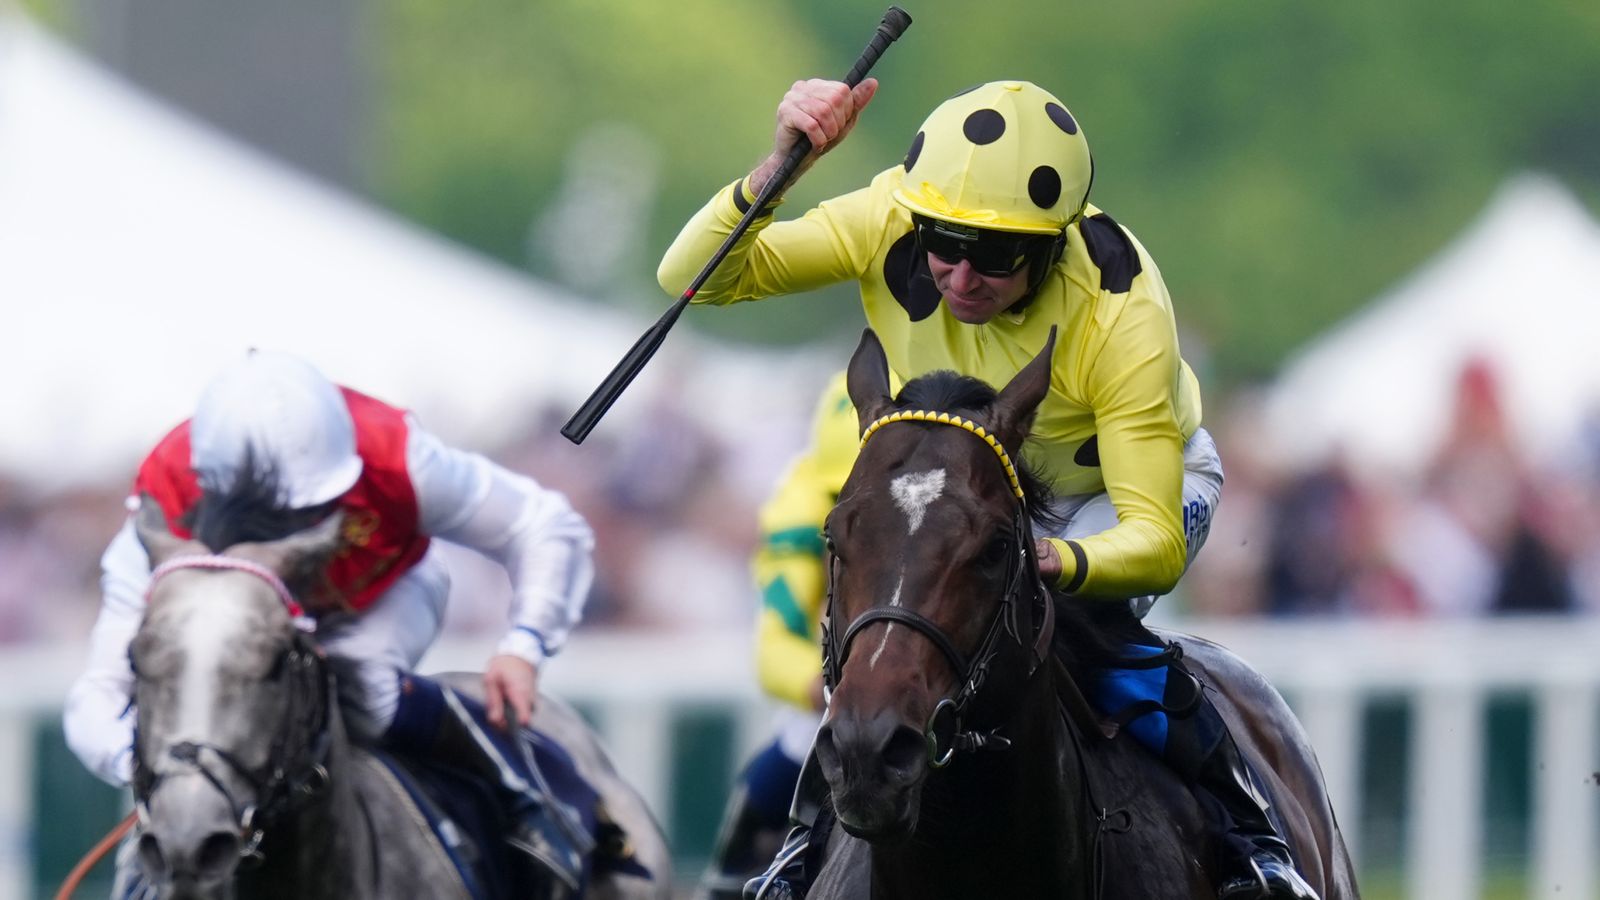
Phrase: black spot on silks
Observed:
(1063, 119)
(916, 149)
(1088, 454)
(1112, 253)
(905, 271)
(1044, 187)
(984, 126)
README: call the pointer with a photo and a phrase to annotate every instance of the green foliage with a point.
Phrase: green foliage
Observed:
(1283, 161)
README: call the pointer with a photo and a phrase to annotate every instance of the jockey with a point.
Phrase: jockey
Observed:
(967, 254)
(788, 569)
(380, 602)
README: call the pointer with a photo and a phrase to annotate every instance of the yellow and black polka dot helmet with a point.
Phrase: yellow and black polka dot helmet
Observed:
(1006, 155)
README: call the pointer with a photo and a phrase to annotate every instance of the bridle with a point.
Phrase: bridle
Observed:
(288, 779)
(944, 728)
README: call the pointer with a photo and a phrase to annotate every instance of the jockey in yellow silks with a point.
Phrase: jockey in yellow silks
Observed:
(967, 255)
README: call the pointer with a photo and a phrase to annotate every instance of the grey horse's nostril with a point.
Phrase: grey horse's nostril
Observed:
(150, 854)
(217, 852)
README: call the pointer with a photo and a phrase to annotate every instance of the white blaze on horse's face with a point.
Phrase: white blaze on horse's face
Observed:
(213, 626)
(893, 601)
(209, 629)
(913, 492)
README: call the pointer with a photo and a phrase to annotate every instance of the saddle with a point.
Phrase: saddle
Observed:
(574, 838)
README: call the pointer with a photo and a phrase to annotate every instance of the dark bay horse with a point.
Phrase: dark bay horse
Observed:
(248, 785)
(960, 755)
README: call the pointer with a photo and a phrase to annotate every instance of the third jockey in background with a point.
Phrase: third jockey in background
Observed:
(790, 574)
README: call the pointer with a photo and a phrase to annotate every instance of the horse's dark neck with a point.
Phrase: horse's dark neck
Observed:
(1001, 823)
(323, 849)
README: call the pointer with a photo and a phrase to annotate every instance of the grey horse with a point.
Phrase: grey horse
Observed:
(248, 785)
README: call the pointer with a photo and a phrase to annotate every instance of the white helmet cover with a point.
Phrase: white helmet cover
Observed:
(277, 411)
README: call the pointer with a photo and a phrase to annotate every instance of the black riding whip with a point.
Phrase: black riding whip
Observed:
(894, 23)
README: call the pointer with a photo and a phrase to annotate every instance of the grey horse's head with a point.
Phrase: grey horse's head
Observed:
(220, 671)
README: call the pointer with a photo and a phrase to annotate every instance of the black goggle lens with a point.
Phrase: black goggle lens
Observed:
(996, 254)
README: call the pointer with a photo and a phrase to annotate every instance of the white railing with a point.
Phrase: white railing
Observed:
(637, 683)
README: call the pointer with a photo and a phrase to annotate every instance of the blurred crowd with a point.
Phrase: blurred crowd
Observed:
(1483, 531)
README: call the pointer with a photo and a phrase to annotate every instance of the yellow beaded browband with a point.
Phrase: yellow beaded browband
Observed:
(941, 418)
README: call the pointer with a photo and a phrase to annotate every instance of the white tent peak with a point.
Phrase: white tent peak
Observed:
(1519, 289)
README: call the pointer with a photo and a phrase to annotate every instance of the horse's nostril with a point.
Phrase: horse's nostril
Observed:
(827, 752)
(150, 854)
(217, 852)
(905, 752)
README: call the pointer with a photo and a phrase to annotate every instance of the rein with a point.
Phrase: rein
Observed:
(280, 786)
(944, 728)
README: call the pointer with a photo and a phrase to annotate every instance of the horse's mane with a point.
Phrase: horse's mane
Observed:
(951, 392)
(1088, 642)
(253, 508)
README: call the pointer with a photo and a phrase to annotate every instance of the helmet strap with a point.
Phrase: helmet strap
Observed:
(1039, 267)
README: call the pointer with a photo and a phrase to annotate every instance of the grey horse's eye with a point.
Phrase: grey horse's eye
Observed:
(279, 664)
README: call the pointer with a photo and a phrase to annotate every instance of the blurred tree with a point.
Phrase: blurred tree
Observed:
(1283, 161)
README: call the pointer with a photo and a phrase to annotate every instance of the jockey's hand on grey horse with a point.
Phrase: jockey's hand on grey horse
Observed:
(510, 681)
(1049, 561)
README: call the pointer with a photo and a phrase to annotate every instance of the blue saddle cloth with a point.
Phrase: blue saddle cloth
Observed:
(470, 822)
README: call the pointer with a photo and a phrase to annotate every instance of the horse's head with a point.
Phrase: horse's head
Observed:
(230, 697)
(935, 615)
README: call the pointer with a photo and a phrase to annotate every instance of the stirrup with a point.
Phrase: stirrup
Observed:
(549, 848)
(776, 883)
(1269, 878)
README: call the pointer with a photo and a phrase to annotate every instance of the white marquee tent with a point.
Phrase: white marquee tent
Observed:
(140, 251)
(1519, 289)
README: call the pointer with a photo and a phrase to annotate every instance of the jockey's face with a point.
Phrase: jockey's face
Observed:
(972, 297)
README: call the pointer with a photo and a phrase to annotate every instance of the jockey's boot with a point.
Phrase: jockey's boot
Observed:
(461, 738)
(787, 878)
(753, 825)
(1255, 853)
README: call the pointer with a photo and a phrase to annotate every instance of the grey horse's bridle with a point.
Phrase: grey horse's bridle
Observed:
(282, 783)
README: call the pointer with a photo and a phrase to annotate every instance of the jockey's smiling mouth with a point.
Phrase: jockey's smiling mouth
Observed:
(972, 297)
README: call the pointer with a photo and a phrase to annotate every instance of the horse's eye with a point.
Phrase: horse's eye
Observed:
(279, 663)
(995, 552)
(829, 545)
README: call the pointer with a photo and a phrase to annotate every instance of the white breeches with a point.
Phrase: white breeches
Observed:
(1090, 514)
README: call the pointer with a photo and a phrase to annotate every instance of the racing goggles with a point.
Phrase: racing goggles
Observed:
(996, 254)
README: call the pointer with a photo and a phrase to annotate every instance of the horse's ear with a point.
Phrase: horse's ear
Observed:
(160, 544)
(868, 380)
(1014, 408)
(304, 551)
